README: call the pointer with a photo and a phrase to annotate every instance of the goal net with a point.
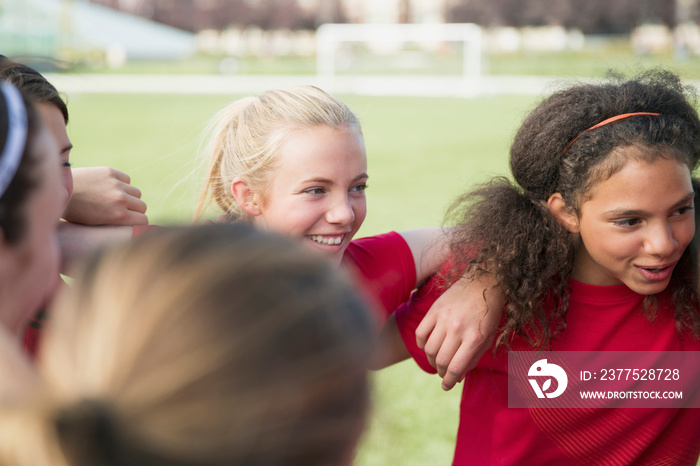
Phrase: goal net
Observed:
(450, 51)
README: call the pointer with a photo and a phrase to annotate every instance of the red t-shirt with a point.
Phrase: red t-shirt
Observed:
(33, 333)
(384, 268)
(599, 319)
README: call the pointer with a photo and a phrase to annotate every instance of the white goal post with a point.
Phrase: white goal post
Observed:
(328, 36)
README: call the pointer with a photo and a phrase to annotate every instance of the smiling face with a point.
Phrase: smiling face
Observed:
(54, 122)
(635, 226)
(317, 192)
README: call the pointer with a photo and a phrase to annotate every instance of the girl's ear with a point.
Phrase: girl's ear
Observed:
(563, 213)
(245, 197)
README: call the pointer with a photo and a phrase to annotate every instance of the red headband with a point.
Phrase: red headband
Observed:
(605, 122)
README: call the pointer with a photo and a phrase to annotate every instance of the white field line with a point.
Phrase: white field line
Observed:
(430, 86)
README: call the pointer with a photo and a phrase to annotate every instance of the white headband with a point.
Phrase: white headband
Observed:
(16, 135)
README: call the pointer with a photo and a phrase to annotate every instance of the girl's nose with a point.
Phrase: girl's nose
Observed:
(660, 241)
(341, 212)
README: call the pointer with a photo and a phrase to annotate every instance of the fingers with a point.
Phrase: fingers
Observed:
(459, 366)
(128, 210)
(135, 204)
(433, 345)
(120, 175)
(133, 208)
(460, 327)
(425, 328)
(105, 196)
(463, 360)
(446, 352)
(135, 218)
(131, 190)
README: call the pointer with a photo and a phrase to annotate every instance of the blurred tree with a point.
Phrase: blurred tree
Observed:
(591, 16)
(330, 11)
(405, 13)
(687, 11)
(277, 14)
(195, 15)
(108, 3)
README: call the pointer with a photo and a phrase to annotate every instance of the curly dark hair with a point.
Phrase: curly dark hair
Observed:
(521, 243)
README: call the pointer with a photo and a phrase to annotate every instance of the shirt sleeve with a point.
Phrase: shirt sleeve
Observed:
(410, 314)
(386, 268)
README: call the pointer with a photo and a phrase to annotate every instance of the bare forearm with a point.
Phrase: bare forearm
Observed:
(390, 348)
(79, 241)
(430, 249)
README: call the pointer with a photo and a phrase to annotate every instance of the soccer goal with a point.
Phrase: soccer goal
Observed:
(452, 50)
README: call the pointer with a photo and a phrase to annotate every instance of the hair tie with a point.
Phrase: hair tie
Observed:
(16, 135)
(87, 434)
(605, 122)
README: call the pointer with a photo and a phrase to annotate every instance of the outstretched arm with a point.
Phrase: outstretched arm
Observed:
(460, 326)
(104, 196)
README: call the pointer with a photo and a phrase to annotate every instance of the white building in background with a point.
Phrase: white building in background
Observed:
(80, 31)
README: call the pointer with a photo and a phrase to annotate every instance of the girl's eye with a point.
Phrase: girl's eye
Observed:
(684, 210)
(315, 191)
(628, 222)
(65, 164)
(360, 187)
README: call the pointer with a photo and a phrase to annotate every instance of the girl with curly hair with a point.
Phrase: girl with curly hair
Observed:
(590, 244)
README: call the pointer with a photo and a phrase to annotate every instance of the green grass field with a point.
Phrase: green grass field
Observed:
(422, 153)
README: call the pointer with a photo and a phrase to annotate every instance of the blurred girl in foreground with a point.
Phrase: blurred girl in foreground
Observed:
(208, 345)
